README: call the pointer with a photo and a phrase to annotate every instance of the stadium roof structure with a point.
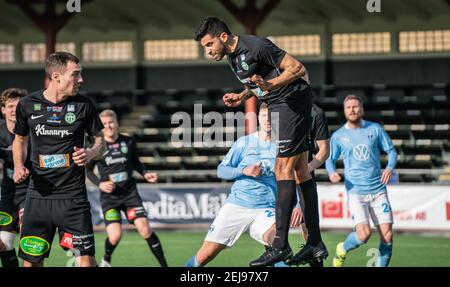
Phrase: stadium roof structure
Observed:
(166, 15)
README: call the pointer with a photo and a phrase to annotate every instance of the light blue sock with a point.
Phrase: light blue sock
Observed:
(281, 264)
(192, 262)
(352, 242)
(385, 254)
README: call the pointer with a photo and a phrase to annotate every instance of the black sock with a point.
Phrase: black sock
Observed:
(283, 210)
(109, 249)
(9, 258)
(155, 247)
(311, 210)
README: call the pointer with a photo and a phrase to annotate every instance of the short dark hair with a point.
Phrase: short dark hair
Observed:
(212, 26)
(12, 93)
(56, 62)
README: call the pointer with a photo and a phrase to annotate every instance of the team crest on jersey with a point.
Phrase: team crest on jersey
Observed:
(71, 108)
(37, 107)
(244, 66)
(70, 118)
(123, 147)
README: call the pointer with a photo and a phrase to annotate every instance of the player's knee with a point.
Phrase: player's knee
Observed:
(7, 240)
(364, 234)
(144, 231)
(302, 175)
(114, 239)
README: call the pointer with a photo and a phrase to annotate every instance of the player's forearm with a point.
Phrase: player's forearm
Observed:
(392, 159)
(98, 148)
(229, 172)
(330, 166)
(91, 175)
(246, 94)
(19, 150)
(321, 156)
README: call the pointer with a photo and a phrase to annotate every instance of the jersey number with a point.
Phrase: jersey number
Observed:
(386, 208)
(269, 213)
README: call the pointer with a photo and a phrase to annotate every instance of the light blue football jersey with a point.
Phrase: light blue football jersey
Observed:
(360, 149)
(251, 192)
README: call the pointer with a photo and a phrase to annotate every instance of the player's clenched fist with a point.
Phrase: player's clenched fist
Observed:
(151, 177)
(20, 174)
(253, 170)
(107, 186)
(335, 177)
(232, 99)
(80, 156)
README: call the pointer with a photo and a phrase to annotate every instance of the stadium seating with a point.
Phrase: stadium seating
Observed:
(416, 118)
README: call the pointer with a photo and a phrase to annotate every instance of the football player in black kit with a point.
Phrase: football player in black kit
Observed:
(118, 191)
(280, 80)
(56, 120)
(12, 195)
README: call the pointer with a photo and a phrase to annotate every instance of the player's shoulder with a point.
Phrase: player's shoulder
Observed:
(82, 99)
(317, 111)
(124, 137)
(372, 125)
(255, 42)
(340, 131)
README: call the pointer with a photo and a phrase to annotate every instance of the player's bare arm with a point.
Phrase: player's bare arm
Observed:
(19, 148)
(82, 156)
(291, 69)
(321, 156)
(234, 99)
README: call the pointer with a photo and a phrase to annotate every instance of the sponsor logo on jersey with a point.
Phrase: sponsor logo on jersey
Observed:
(41, 130)
(54, 160)
(71, 108)
(118, 176)
(54, 119)
(54, 109)
(109, 160)
(361, 152)
(34, 246)
(37, 107)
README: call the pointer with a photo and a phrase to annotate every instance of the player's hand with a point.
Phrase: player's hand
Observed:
(296, 217)
(151, 177)
(20, 174)
(252, 170)
(107, 186)
(80, 156)
(261, 83)
(335, 177)
(232, 100)
(386, 176)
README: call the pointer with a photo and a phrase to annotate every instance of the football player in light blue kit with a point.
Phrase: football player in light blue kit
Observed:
(251, 203)
(359, 142)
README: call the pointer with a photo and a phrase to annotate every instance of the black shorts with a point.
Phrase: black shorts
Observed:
(41, 218)
(129, 202)
(11, 211)
(291, 122)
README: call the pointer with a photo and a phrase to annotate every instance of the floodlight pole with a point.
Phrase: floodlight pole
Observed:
(251, 17)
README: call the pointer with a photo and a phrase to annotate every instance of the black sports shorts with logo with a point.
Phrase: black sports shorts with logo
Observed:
(129, 202)
(291, 122)
(42, 217)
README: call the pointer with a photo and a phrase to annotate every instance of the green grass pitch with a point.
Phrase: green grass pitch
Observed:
(409, 250)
